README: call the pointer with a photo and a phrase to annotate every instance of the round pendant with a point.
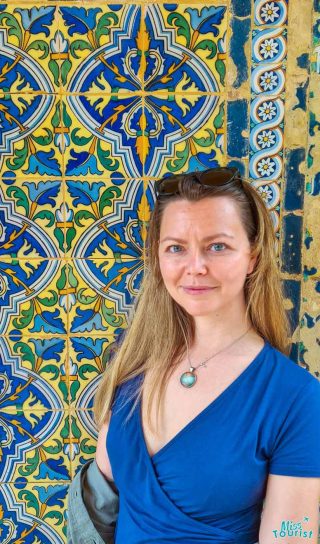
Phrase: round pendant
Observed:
(188, 379)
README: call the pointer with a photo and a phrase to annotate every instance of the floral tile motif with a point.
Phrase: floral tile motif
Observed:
(101, 136)
(30, 136)
(34, 512)
(185, 48)
(269, 49)
(31, 219)
(103, 294)
(128, 48)
(101, 48)
(103, 110)
(33, 298)
(87, 359)
(104, 219)
(83, 438)
(267, 106)
(183, 134)
(97, 101)
(36, 368)
(117, 119)
(270, 13)
(36, 445)
(28, 58)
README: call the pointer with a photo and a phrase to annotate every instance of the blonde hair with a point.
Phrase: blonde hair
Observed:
(158, 327)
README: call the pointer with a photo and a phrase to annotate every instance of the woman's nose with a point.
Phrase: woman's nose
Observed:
(196, 262)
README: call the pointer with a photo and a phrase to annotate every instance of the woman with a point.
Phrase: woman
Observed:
(208, 430)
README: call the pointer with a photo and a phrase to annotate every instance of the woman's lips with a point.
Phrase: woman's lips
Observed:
(197, 291)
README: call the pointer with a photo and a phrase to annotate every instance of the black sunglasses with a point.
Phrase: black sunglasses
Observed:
(209, 178)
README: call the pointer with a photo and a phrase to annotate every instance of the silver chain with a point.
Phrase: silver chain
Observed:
(211, 357)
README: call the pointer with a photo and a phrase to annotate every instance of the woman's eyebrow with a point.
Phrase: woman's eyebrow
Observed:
(210, 237)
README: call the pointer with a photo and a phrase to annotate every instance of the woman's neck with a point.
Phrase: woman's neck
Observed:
(216, 335)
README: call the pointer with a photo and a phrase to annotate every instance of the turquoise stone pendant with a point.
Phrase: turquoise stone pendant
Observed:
(188, 379)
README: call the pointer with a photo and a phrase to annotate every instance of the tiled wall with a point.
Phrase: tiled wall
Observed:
(98, 100)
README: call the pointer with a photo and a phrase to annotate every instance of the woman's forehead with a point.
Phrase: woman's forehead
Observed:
(205, 211)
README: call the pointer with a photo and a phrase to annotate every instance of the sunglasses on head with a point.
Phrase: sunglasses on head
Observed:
(213, 177)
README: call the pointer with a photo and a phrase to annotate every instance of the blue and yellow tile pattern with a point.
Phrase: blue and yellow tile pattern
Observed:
(97, 100)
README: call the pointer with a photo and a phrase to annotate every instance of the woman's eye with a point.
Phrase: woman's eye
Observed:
(177, 246)
(170, 247)
(221, 244)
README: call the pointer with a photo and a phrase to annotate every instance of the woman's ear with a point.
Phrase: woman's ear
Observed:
(252, 263)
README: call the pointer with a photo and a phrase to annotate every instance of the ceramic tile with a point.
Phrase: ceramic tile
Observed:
(37, 444)
(28, 37)
(239, 47)
(184, 134)
(100, 136)
(84, 434)
(33, 300)
(102, 47)
(291, 243)
(269, 49)
(31, 219)
(240, 8)
(104, 219)
(87, 359)
(36, 372)
(295, 186)
(30, 136)
(34, 512)
(104, 291)
(270, 13)
(310, 326)
(185, 47)
(238, 121)
(97, 102)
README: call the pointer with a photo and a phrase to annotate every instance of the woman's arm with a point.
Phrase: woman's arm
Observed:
(291, 506)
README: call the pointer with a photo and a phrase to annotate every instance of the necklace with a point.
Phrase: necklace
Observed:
(189, 378)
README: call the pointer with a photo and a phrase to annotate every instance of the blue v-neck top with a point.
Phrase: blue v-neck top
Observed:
(208, 483)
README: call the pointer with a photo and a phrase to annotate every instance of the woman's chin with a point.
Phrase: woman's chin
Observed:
(197, 311)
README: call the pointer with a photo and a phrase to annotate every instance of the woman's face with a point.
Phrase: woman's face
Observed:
(203, 244)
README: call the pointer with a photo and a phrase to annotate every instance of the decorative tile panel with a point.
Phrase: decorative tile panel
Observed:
(97, 101)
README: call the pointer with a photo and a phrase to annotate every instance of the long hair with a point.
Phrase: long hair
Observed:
(155, 339)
